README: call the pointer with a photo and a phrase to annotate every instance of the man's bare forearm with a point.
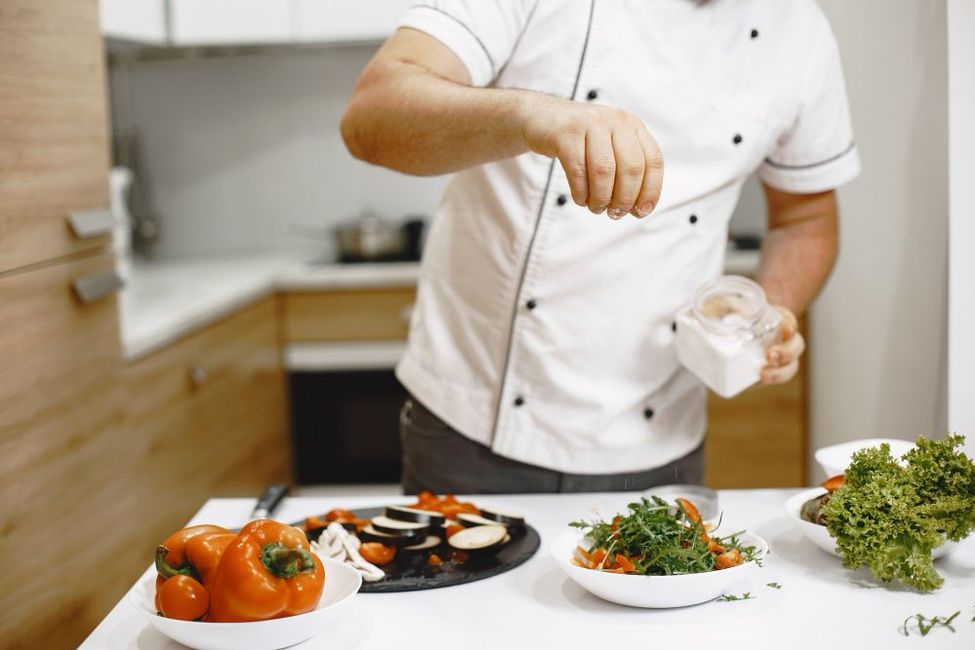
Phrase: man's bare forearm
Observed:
(799, 250)
(434, 125)
(414, 110)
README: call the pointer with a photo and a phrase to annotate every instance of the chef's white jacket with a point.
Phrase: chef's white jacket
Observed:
(546, 332)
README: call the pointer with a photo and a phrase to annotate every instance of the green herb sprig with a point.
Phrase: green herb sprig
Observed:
(727, 598)
(925, 624)
(773, 585)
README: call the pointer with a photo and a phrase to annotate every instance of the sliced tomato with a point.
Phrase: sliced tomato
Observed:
(377, 553)
(624, 563)
(833, 483)
(314, 523)
(728, 559)
(689, 509)
(598, 556)
(340, 515)
(452, 529)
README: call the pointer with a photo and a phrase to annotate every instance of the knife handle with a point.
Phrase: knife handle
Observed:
(269, 500)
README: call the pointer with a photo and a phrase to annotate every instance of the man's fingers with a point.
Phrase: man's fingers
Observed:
(601, 165)
(780, 375)
(572, 156)
(786, 351)
(629, 172)
(789, 323)
(653, 176)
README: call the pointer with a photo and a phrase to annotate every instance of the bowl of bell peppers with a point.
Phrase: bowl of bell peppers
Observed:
(258, 589)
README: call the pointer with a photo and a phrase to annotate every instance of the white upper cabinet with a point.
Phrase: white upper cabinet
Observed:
(231, 22)
(140, 21)
(250, 22)
(342, 20)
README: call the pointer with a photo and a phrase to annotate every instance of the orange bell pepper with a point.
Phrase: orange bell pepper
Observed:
(192, 555)
(194, 552)
(267, 572)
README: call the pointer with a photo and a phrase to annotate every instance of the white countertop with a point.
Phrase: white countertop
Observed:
(820, 606)
(165, 300)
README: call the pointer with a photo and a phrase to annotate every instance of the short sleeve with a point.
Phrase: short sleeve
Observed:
(817, 153)
(482, 34)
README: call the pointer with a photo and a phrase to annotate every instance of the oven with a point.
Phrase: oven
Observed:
(345, 404)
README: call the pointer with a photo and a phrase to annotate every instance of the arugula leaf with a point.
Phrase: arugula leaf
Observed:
(889, 517)
(773, 585)
(925, 624)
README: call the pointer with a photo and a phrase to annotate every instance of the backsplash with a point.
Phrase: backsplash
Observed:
(243, 153)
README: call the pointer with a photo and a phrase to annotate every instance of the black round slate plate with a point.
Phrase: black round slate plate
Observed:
(416, 575)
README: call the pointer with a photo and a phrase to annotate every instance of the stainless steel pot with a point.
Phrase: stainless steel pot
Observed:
(370, 238)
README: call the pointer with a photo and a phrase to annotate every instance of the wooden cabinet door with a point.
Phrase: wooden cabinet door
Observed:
(211, 412)
(54, 151)
(67, 508)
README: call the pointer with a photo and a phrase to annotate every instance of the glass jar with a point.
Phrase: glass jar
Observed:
(722, 334)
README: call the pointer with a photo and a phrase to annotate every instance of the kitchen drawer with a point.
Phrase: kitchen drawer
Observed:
(54, 147)
(351, 315)
(211, 410)
(60, 457)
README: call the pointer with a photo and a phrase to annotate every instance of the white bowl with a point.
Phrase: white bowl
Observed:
(656, 591)
(341, 584)
(836, 458)
(820, 536)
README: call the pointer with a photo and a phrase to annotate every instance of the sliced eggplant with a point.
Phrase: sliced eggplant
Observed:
(429, 543)
(506, 517)
(468, 520)
(396, 527)
(370, 534)
(480, 540)
(416, 515)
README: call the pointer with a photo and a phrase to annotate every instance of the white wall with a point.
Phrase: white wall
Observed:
(878, 352)
(879, 365)
(238, 148)
(961, 94)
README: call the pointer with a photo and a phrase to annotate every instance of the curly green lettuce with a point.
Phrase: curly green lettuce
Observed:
(890, 516)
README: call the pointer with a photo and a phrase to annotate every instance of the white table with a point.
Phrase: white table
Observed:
(820, 605)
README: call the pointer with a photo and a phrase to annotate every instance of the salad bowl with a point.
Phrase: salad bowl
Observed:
(656, 591)
(341, 584)
(819, 535)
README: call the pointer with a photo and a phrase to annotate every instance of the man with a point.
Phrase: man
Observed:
(541, 350)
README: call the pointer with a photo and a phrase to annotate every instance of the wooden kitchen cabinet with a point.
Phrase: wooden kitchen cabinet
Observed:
(211, 413)
(373, 314)
(54, 152)
(65, 555)
(759, 439)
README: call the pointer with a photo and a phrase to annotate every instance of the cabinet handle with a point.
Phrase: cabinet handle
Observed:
(197, 375)
(406, 313)
(95, 286)
(91, 223)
